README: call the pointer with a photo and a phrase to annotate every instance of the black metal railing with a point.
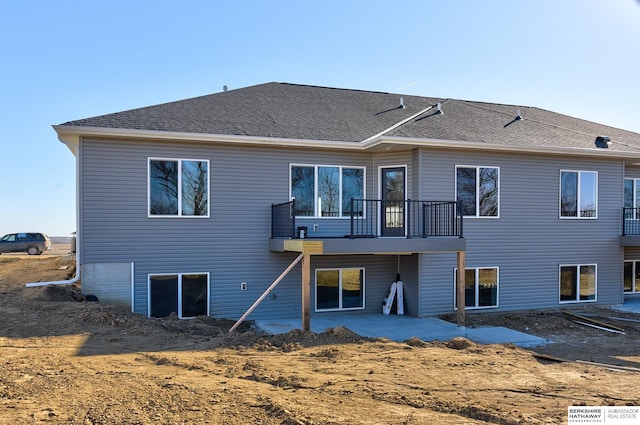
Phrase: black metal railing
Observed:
(372, 218)
(408, 218)
(630, 221)
(283, 220)
(442, 218)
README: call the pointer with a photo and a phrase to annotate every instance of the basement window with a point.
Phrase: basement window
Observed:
(186, 295)
(339, 289)
(632, 277)
(480, 287)
(578, 283)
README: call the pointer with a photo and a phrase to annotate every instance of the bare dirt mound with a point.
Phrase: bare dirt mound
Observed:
(65, 360)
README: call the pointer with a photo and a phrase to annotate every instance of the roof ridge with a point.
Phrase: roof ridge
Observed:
(358, 90)
(479, 104)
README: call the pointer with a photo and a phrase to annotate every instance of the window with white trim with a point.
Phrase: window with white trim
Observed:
(632, 277)
(339, 289)
(178, 188)
(480, 287)
(578, 194)
(578, 283)
(186, 294)
(326, 191)
(632, 198)
(478, 190)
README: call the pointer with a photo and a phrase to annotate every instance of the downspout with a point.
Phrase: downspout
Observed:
(61, 282)
(75, 148)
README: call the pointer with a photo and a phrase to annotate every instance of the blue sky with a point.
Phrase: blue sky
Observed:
(65, 60)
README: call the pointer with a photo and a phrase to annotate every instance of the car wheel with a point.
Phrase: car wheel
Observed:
(33, 250)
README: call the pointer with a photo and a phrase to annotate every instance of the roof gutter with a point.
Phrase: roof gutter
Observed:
(70, 136)
(457, 144)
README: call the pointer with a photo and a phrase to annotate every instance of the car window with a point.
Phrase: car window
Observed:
(9, 238)
(21, 236)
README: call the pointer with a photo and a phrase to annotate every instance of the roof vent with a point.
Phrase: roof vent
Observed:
(603, 142)
(519, 116)
(401, 103)
(439, 108)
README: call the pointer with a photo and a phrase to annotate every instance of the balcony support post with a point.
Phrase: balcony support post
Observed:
(460, 291)
(306, 291)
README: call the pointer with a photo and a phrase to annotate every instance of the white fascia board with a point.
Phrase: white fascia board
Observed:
(67, 133)
(457, 144)
(72, 142)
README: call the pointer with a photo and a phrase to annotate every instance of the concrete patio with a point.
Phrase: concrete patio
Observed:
(401, 328)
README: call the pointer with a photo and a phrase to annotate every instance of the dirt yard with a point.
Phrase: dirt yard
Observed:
(64, 360)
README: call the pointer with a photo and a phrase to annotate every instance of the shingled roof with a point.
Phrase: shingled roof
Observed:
(302, 112)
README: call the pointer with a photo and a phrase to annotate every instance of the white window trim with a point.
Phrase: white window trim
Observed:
(477, 167)
(179, 275)
(340, 308)
(562, 217)
(476, 307)
(316, 204)
(578, 301)
(636, 186)
(179, 215)
(635, 264)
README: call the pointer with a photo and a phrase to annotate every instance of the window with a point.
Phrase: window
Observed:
(339, 289)
(632, 198)
(326, 191)
(478, 190)
(178, 188)
(577, 283)
(187, 295)
(481, 287)
(632, 277)
(578, 194)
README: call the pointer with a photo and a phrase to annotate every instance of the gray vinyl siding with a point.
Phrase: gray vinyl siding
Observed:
(380, 273)
(392, 159)
(231, 245)
(528, 241)
(632, 253)
(632, 173)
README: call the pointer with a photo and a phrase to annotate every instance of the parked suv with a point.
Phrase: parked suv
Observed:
(31, 243)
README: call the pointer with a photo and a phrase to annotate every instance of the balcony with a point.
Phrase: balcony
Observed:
(630, 227)
(371, 226)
